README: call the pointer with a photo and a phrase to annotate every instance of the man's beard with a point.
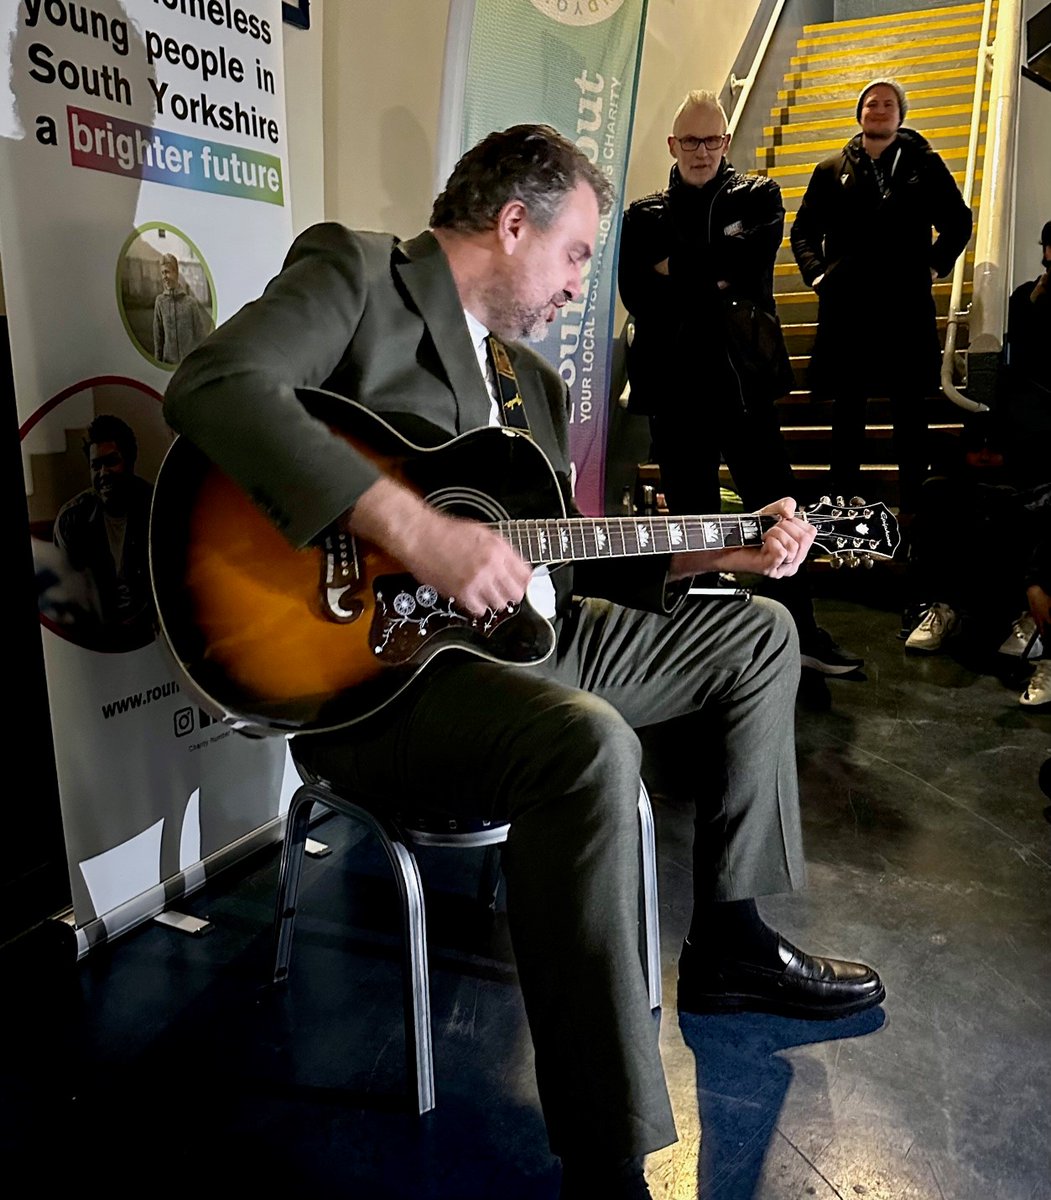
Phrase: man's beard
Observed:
(510, 317)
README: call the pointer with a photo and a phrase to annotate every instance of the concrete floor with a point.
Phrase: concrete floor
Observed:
(164, 1063)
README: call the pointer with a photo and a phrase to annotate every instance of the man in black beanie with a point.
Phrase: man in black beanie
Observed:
(862, 239)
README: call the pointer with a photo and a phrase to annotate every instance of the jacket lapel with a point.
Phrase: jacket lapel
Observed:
(426, 276)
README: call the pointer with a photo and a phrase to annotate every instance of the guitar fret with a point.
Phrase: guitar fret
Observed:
(565, 540)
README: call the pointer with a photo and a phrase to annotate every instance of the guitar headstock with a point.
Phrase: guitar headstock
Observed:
(853, 531)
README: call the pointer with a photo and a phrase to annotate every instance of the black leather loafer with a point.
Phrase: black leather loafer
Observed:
(803, 986)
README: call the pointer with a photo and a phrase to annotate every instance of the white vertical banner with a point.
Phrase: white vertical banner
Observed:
(143, 199)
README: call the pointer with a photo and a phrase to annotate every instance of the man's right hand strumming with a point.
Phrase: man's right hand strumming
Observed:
(465, 560)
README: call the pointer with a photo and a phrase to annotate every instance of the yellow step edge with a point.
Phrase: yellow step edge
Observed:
(849, 103)
(946, 110)
(834, 39)
(790, 213)
(962, 43)
(939, 289)
(791, 268)
(789, 193)
(889, 18)
(951, 154)
(836, 143)
(887, 66)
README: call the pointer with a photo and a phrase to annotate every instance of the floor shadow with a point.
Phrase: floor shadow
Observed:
(742, 1081)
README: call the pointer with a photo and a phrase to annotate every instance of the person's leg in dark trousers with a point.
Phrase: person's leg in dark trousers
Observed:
(563, 764)
(911, 448)
(755, 452)
(686, 447)
(849, 411)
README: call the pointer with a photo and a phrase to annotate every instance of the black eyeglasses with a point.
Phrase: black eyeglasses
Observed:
(712, 142)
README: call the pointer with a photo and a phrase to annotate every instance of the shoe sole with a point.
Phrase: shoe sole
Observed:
(824, 668)
(921, 649)
(741, 1002)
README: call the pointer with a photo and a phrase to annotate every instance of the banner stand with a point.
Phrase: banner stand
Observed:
(142, 907)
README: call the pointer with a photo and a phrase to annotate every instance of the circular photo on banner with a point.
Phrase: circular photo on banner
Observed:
(578, 12)
(165, 294)
(90, 457)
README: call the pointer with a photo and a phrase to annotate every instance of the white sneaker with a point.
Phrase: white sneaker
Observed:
(937, 624)
(1023, 641)
(1038, 689)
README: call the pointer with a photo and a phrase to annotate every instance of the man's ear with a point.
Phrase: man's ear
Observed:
(671, 145)
(729, 139)
(511, 223)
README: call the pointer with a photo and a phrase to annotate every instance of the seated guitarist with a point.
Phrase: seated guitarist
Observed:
(401, 327)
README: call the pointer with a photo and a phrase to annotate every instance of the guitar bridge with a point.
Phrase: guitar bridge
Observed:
(340, 579)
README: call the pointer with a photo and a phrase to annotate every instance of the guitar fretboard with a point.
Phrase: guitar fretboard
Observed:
(559, 540)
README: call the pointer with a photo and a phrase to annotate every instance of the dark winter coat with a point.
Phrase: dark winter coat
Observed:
(871, 240)
(687, 328)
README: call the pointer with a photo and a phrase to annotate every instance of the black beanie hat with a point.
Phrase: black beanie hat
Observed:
(896, 88)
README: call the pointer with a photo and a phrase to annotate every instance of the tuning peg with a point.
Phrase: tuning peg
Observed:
(857, 502)
(867, 561)
(836, 562)
(825, 500)
(841, 502)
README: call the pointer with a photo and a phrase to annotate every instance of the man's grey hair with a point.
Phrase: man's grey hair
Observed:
(534, 164)
(700, 98)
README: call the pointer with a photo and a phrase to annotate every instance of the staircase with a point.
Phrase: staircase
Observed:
(933, 54)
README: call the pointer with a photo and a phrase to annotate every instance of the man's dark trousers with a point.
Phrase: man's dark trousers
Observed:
(553, 748)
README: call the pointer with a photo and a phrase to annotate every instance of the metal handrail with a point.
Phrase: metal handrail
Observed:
(985, 314)
(748, 81)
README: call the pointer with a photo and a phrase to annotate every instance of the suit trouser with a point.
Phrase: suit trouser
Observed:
(690, 442)
(552, 748)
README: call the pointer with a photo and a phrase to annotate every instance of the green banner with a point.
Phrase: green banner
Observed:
(572, 64)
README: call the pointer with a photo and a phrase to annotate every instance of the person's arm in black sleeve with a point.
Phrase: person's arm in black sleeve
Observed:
(950, 216)
(808, 232)
(643, 288)
(745, 255)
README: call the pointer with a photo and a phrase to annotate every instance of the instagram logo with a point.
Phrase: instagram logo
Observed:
(183, 721)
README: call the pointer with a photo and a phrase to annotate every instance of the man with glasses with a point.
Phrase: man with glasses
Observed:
(707, 359)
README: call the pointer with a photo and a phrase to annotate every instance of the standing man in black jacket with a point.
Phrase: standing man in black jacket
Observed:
(862, 239)
(707, 359)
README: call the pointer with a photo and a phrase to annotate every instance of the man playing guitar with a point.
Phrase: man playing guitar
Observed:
(402, 328)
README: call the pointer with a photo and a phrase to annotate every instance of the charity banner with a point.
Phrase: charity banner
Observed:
(143, 160)
(572, 64)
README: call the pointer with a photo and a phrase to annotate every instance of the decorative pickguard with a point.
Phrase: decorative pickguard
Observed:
(410, 616)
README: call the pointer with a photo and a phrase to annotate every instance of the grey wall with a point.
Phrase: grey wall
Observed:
(763, 97)
(1033, 188)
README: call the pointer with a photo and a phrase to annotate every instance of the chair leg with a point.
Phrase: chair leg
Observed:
(289, 874)
(418, 1044)
(419, 1050)
(651, 916)
(489, 880)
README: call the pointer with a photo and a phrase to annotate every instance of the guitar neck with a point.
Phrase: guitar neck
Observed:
(577, 538)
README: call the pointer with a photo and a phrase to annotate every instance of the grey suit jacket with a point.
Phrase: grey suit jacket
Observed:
(380, 321)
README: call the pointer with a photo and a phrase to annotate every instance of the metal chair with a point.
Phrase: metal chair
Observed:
(398, 836)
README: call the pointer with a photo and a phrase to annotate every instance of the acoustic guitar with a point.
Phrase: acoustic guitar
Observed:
(273, 639)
